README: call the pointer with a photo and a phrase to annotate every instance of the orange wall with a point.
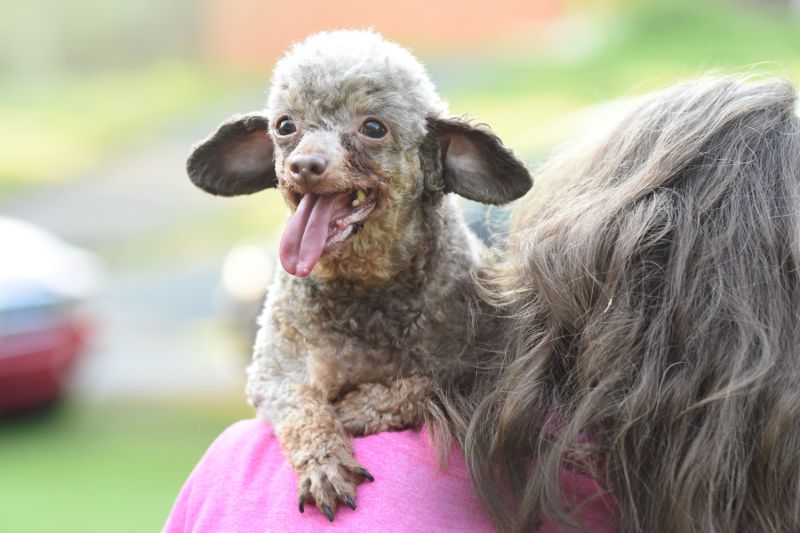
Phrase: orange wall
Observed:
(255, 32)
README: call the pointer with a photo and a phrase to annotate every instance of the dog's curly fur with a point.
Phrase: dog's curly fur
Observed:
(355, 347)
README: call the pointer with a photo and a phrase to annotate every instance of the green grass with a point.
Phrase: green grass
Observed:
(56, 128)
(642, 46)
(99, 468)
(647, 44)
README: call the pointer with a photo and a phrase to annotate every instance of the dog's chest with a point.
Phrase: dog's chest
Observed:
(364, 325)
(354, 339)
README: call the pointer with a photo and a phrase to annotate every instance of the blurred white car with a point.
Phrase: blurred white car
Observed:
(43, 284)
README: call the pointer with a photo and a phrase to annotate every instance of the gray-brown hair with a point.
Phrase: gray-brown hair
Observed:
(651, 334)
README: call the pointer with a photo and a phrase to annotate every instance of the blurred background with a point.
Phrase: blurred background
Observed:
(126, 295)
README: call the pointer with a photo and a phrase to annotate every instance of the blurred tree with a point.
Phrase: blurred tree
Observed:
(43, 38)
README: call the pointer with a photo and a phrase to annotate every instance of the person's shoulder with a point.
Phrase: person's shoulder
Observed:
(243, 483)
(230, 488)
(241, 442)
(244, 431)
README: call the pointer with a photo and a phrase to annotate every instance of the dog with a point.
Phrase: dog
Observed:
(375, 299)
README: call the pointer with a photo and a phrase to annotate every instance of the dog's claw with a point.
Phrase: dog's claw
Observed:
(365, 474)
(328, 512)
(330, 484)
(348, 500)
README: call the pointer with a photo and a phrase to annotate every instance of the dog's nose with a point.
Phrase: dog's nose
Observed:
(307, 170)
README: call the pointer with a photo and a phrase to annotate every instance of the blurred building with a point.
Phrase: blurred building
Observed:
(41, 38)
(253, 33)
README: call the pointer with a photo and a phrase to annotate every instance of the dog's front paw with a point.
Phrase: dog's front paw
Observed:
(329, 482)
(375, 407)
(355, 416)
(356, 427)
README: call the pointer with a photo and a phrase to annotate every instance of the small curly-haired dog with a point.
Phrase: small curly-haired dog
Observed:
(375, 300)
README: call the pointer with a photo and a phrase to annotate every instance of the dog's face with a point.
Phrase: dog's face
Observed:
(356, 138)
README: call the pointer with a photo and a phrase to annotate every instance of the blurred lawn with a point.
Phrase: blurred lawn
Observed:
(54, 129)
(628, 50)
(91, 468)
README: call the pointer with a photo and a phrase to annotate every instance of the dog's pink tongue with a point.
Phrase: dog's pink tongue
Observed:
(305, 235)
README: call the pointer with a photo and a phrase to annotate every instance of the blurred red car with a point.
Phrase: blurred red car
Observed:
(44, 283)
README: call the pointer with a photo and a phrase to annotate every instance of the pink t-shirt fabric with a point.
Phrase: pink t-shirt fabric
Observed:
(244, 484)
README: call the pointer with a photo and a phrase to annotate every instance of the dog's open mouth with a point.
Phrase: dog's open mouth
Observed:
(320, 222)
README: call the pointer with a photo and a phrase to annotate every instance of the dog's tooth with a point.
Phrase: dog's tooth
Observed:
(360, 195)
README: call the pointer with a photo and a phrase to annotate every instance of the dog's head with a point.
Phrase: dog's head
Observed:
(356, 137)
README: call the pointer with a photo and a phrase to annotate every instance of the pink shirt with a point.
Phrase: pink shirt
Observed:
(244, 484)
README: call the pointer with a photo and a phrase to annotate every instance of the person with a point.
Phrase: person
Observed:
(244, 484)
(651, 335)
(640, 362)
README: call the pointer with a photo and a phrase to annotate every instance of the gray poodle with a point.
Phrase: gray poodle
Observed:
(375, 299)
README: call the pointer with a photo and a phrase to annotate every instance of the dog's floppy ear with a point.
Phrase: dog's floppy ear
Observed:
(236, 159)
(473, 163)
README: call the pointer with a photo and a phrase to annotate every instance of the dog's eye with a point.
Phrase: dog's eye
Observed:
(285, 126)
(373, 129)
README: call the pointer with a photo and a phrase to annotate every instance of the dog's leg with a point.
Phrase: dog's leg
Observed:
(374, 407)
(319, 450)
(315, 442)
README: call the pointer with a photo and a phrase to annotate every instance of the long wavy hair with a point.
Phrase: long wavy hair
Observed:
(650, 330)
